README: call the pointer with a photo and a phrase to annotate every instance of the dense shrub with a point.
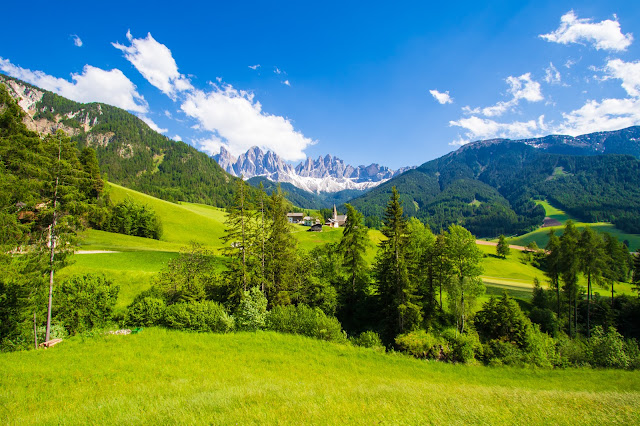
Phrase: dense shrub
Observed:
(546, 319)
(502, 319)
(306, 321)
(198, 316)
(464, 346)
(572, 351)
(607, 349)
(368, 339)
(423, 345)
(251, 314)
(85, 301)
(145, 312)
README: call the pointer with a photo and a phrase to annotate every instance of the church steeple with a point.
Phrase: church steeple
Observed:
(335, 213)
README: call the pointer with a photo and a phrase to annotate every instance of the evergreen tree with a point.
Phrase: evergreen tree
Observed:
(553, 266)
(592, 263)
(466, 284)
(281, 251)
(423, 266)
(569, 270)
(616, 262)
(353, 246)
(397, 292)
(502, 248)
(239, 244)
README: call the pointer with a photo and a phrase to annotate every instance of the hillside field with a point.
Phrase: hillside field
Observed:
(540, 235)
(162, 376)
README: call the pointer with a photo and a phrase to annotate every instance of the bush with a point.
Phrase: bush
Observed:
(607, 349)
(84, 302)
(369, 339)
(306, 321)
(145, 312)
(498, 352)
(251, 314)
(198, 316)
(572, 351)
(546, 319)
(423, 345)
(464, 347)
(541, 349)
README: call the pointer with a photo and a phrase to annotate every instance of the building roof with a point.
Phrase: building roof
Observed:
(295, 214)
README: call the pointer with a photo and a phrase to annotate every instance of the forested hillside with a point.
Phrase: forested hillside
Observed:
(489, 187)
(129, 152)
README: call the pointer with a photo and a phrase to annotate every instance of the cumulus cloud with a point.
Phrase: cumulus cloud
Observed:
(76, 40)
(628, 72)
(177, 138)
(156, 64)
(92, 85)
(237, 122)
(522, 87)
(552, 75)
(152, 124)
(254, 67)
(483, 128)
(594, 116)
(286, 83)
(442, 98)
(604, 35)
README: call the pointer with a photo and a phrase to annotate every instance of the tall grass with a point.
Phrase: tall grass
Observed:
(161, 376)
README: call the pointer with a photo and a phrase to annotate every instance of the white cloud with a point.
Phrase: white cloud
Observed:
(238, 123)
(167, 114)
(628, 72)
(93, 85)
(156, 64)
(483, 128)
(523, 87)
(594, 116)
(76, 40)
(277, 70)
(177, 138)
(442, 98)
(552, 75)
(254, 67)
(604, 35)
(152, 124)
(286, 83)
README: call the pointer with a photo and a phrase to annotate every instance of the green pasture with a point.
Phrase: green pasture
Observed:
(541, 237)
(165, 377)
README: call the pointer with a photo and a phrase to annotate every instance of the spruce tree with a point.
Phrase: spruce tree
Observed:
(569, 270)
(502, 248)
(592, 264)
(553, 266)
(353, 246)
(397, 292)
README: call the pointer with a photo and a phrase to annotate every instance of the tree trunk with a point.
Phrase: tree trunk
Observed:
(588, 305)
(35, 332)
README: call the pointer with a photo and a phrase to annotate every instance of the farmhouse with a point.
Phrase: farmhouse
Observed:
(295, 217)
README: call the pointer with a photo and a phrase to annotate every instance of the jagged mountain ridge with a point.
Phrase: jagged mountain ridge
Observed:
(325, 174)
(128, 150)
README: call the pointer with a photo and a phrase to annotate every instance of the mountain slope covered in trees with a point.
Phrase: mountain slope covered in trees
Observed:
(489, 186)
(128, 150)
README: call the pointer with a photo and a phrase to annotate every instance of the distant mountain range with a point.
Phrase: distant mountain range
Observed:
(328, 174)
(488, 186)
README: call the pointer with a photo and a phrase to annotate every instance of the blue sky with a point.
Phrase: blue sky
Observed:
(394, 83)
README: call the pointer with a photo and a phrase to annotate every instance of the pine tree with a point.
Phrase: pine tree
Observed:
(502, 248)
(353, 246)
(636, 272)
(281, 251)
(592, 264)
(397, 292)
(569, 270)
(553, 266)
(238, 244)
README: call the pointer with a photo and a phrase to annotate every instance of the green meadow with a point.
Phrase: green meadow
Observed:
(540, 236)
(140, 259)
(160, 376)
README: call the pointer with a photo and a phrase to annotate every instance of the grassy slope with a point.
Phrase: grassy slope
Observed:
(541, 238)
(162, 376)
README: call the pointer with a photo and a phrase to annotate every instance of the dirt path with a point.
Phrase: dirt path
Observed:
(491, 243)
